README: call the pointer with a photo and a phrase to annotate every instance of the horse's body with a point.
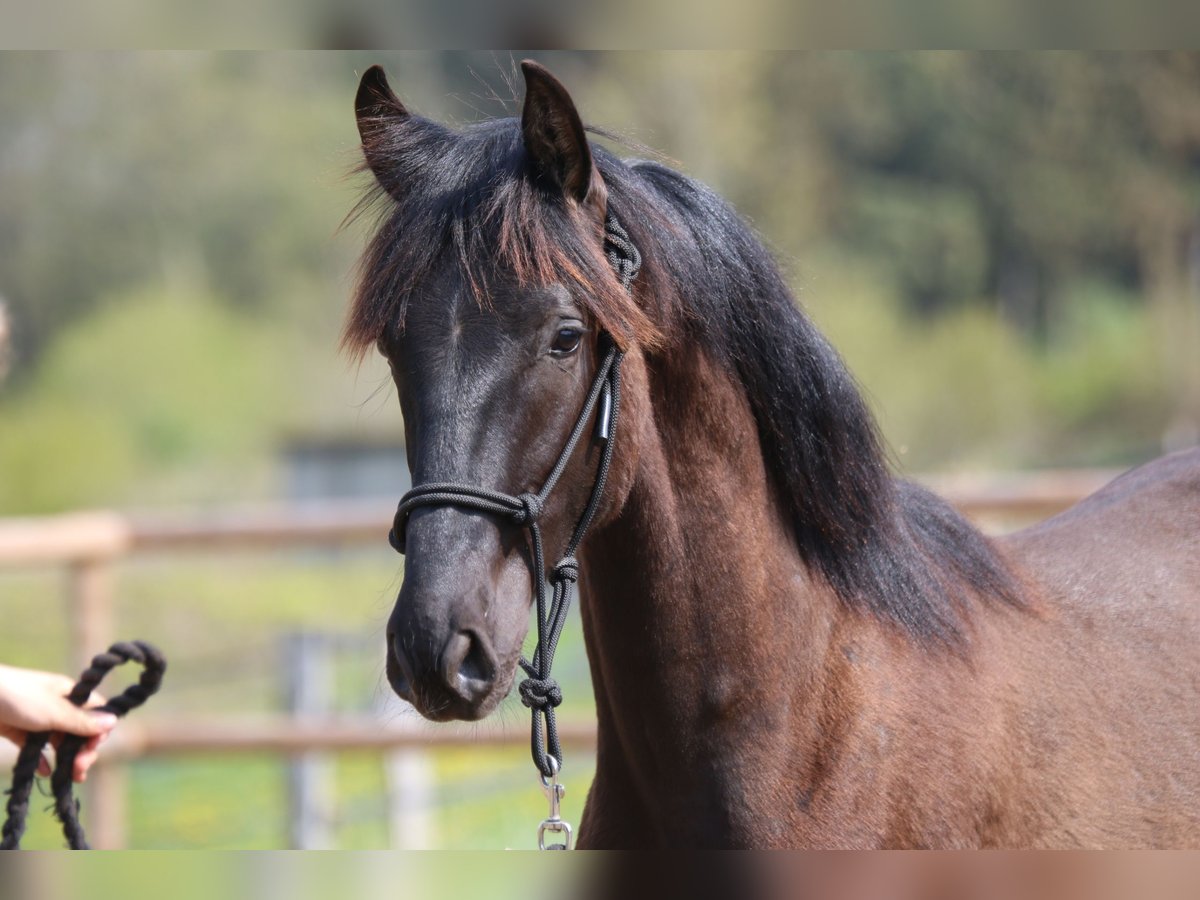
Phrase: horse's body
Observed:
(1109, 724)
(788, 646)
(797, 722)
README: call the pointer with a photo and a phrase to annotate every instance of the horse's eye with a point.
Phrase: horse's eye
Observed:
(566, 341)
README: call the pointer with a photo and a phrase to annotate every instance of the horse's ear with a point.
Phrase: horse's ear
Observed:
(377, 110)
(555, 139)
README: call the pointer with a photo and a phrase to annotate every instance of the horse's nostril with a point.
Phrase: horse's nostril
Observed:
(467, 666)
(475, 664)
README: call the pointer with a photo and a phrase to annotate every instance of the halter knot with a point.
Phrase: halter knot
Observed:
(540, 693)
(622, 253)
(567, 570)
(530, 511)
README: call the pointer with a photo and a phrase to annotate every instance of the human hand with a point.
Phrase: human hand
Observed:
(32, 701)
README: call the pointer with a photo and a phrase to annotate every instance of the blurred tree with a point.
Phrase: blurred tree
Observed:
(186, 170)
(1022, 224)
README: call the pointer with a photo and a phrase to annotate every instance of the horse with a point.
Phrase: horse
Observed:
(790, 646)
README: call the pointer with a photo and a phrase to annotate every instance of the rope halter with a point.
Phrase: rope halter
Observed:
(539, 691)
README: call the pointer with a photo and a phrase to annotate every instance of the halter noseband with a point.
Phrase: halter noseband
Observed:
(540, 692)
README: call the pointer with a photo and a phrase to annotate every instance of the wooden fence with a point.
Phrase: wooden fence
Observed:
(90, 544)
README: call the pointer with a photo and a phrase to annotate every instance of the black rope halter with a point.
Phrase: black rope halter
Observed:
(539, 691)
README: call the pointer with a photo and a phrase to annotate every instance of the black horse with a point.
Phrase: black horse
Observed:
(789, 646)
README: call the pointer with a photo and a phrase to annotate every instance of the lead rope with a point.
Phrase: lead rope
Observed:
(65, 805)
(539, 691)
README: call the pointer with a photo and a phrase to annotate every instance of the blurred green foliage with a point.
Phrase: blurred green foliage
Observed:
(147, 382)
(1004, 246)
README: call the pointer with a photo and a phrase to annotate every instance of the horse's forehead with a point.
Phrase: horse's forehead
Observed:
(454, 369)
(457, 346)
(464, 358)
(452, 342)
(453, 313)
(439, 310)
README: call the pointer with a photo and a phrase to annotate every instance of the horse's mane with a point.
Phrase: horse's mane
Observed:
(885, 546)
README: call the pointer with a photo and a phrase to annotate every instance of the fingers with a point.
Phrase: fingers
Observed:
(61, 685)
(86, 722)
(16, 735)
(37, 701)
(33, 701)
(66, 716)
(87, 756)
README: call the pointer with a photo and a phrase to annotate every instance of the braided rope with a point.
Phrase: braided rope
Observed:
(66, 807)
(539, 691)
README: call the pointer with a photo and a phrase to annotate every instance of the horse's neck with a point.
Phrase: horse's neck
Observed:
(704, 631)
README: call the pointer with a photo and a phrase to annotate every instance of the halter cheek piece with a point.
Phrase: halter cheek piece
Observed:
(539, 692)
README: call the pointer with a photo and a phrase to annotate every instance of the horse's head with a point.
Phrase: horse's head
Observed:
(483, 288)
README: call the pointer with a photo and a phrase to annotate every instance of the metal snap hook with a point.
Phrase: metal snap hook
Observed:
(553, 823)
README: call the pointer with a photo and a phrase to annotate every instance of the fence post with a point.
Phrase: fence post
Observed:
(90, 610)
(309, 672)
(410, 778)
(90, 614)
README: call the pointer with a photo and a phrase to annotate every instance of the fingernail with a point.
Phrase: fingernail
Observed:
(105, 719)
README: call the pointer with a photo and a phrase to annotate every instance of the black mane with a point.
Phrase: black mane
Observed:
(886, 546)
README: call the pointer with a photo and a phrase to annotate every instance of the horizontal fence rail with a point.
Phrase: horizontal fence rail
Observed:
(285, 735)
(89, 545)
(88, 536)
